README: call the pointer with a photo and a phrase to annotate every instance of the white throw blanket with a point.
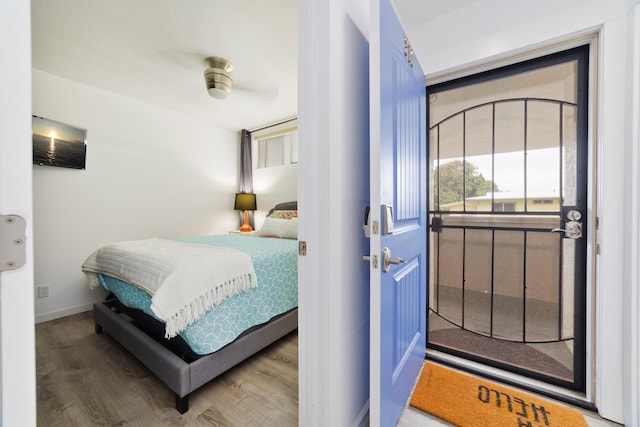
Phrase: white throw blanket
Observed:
(185, 280)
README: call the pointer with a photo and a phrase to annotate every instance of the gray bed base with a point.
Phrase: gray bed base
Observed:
(180, 376)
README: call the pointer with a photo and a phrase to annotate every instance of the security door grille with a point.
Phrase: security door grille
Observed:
(508, 179)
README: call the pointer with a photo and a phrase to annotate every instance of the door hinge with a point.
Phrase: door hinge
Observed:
(13, 251)
(302, 248)
(408, 51)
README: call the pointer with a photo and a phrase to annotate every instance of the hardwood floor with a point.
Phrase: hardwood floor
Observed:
(85, 379)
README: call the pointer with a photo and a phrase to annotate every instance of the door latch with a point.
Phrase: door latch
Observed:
(372, 259)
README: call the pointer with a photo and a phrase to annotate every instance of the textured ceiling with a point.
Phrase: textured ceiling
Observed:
(152, 50)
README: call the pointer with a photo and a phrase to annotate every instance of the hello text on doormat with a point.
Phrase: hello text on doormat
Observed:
(469, 401)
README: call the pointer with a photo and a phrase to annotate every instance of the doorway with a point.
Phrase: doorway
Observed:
(508, 171)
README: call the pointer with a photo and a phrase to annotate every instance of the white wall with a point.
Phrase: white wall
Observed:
(444, 46)
(274, 185)
(150, 172)
(333, 123)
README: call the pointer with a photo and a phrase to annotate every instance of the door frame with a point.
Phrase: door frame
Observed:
(580, 54)
(591, 42)
(333, 182)
(17, 334)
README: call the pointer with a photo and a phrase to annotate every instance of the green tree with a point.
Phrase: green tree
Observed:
(454, 177)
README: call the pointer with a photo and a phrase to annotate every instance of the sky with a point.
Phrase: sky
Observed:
(542, 170)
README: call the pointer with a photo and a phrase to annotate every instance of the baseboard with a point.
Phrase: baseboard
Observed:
(57, 314)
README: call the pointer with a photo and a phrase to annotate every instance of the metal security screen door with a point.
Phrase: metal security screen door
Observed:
(508, 205)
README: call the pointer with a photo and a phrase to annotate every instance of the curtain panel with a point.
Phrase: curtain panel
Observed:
(246, 170)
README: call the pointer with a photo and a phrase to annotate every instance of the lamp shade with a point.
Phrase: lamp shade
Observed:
(245, 202)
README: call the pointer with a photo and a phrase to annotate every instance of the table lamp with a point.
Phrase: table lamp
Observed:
(245, 202)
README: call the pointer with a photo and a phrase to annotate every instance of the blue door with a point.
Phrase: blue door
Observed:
(398, 216)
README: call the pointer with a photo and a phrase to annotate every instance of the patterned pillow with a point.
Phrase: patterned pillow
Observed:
(286, 214)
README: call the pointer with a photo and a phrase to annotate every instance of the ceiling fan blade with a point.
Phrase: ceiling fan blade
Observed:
(267, 92)
(185, 60)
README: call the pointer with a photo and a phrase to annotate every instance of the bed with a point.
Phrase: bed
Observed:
(233, 328)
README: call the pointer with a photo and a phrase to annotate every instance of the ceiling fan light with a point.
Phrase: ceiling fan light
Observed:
(218, 84)
(217, 77)
(218, 93)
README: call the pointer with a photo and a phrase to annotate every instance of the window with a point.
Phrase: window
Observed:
(276, 145)
(504, 207)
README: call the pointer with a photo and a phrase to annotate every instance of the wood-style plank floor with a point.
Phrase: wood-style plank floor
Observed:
(85, 379)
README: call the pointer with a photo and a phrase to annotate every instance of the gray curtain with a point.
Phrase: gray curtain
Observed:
(246, 170)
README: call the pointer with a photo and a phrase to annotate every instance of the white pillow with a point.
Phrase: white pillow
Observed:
(291, 229)
(278, 227)
(272, 227)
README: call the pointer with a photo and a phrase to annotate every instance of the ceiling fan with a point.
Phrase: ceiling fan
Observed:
(243, 81)
(219, 81)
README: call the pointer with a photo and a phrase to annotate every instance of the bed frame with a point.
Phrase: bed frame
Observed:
(180, 375)
(184, 374)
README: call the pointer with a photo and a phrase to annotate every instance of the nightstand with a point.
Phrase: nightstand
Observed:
(244, 233)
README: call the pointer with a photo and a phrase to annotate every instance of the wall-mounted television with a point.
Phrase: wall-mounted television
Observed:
(58, 144)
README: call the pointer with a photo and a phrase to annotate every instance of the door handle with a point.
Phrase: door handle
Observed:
(387, 260)
(573, 228)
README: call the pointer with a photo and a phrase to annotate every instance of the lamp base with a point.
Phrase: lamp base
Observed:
(246, 227)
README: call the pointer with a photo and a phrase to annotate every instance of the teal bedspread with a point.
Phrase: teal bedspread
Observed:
(276, 265)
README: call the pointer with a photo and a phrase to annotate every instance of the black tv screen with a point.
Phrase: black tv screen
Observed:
(58, 144)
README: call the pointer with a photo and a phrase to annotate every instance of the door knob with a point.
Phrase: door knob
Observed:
(387, 260)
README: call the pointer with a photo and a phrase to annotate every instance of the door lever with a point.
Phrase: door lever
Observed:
(572, 230)
(387, 260)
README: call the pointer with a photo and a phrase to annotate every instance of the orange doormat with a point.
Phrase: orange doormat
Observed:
(467, 401)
